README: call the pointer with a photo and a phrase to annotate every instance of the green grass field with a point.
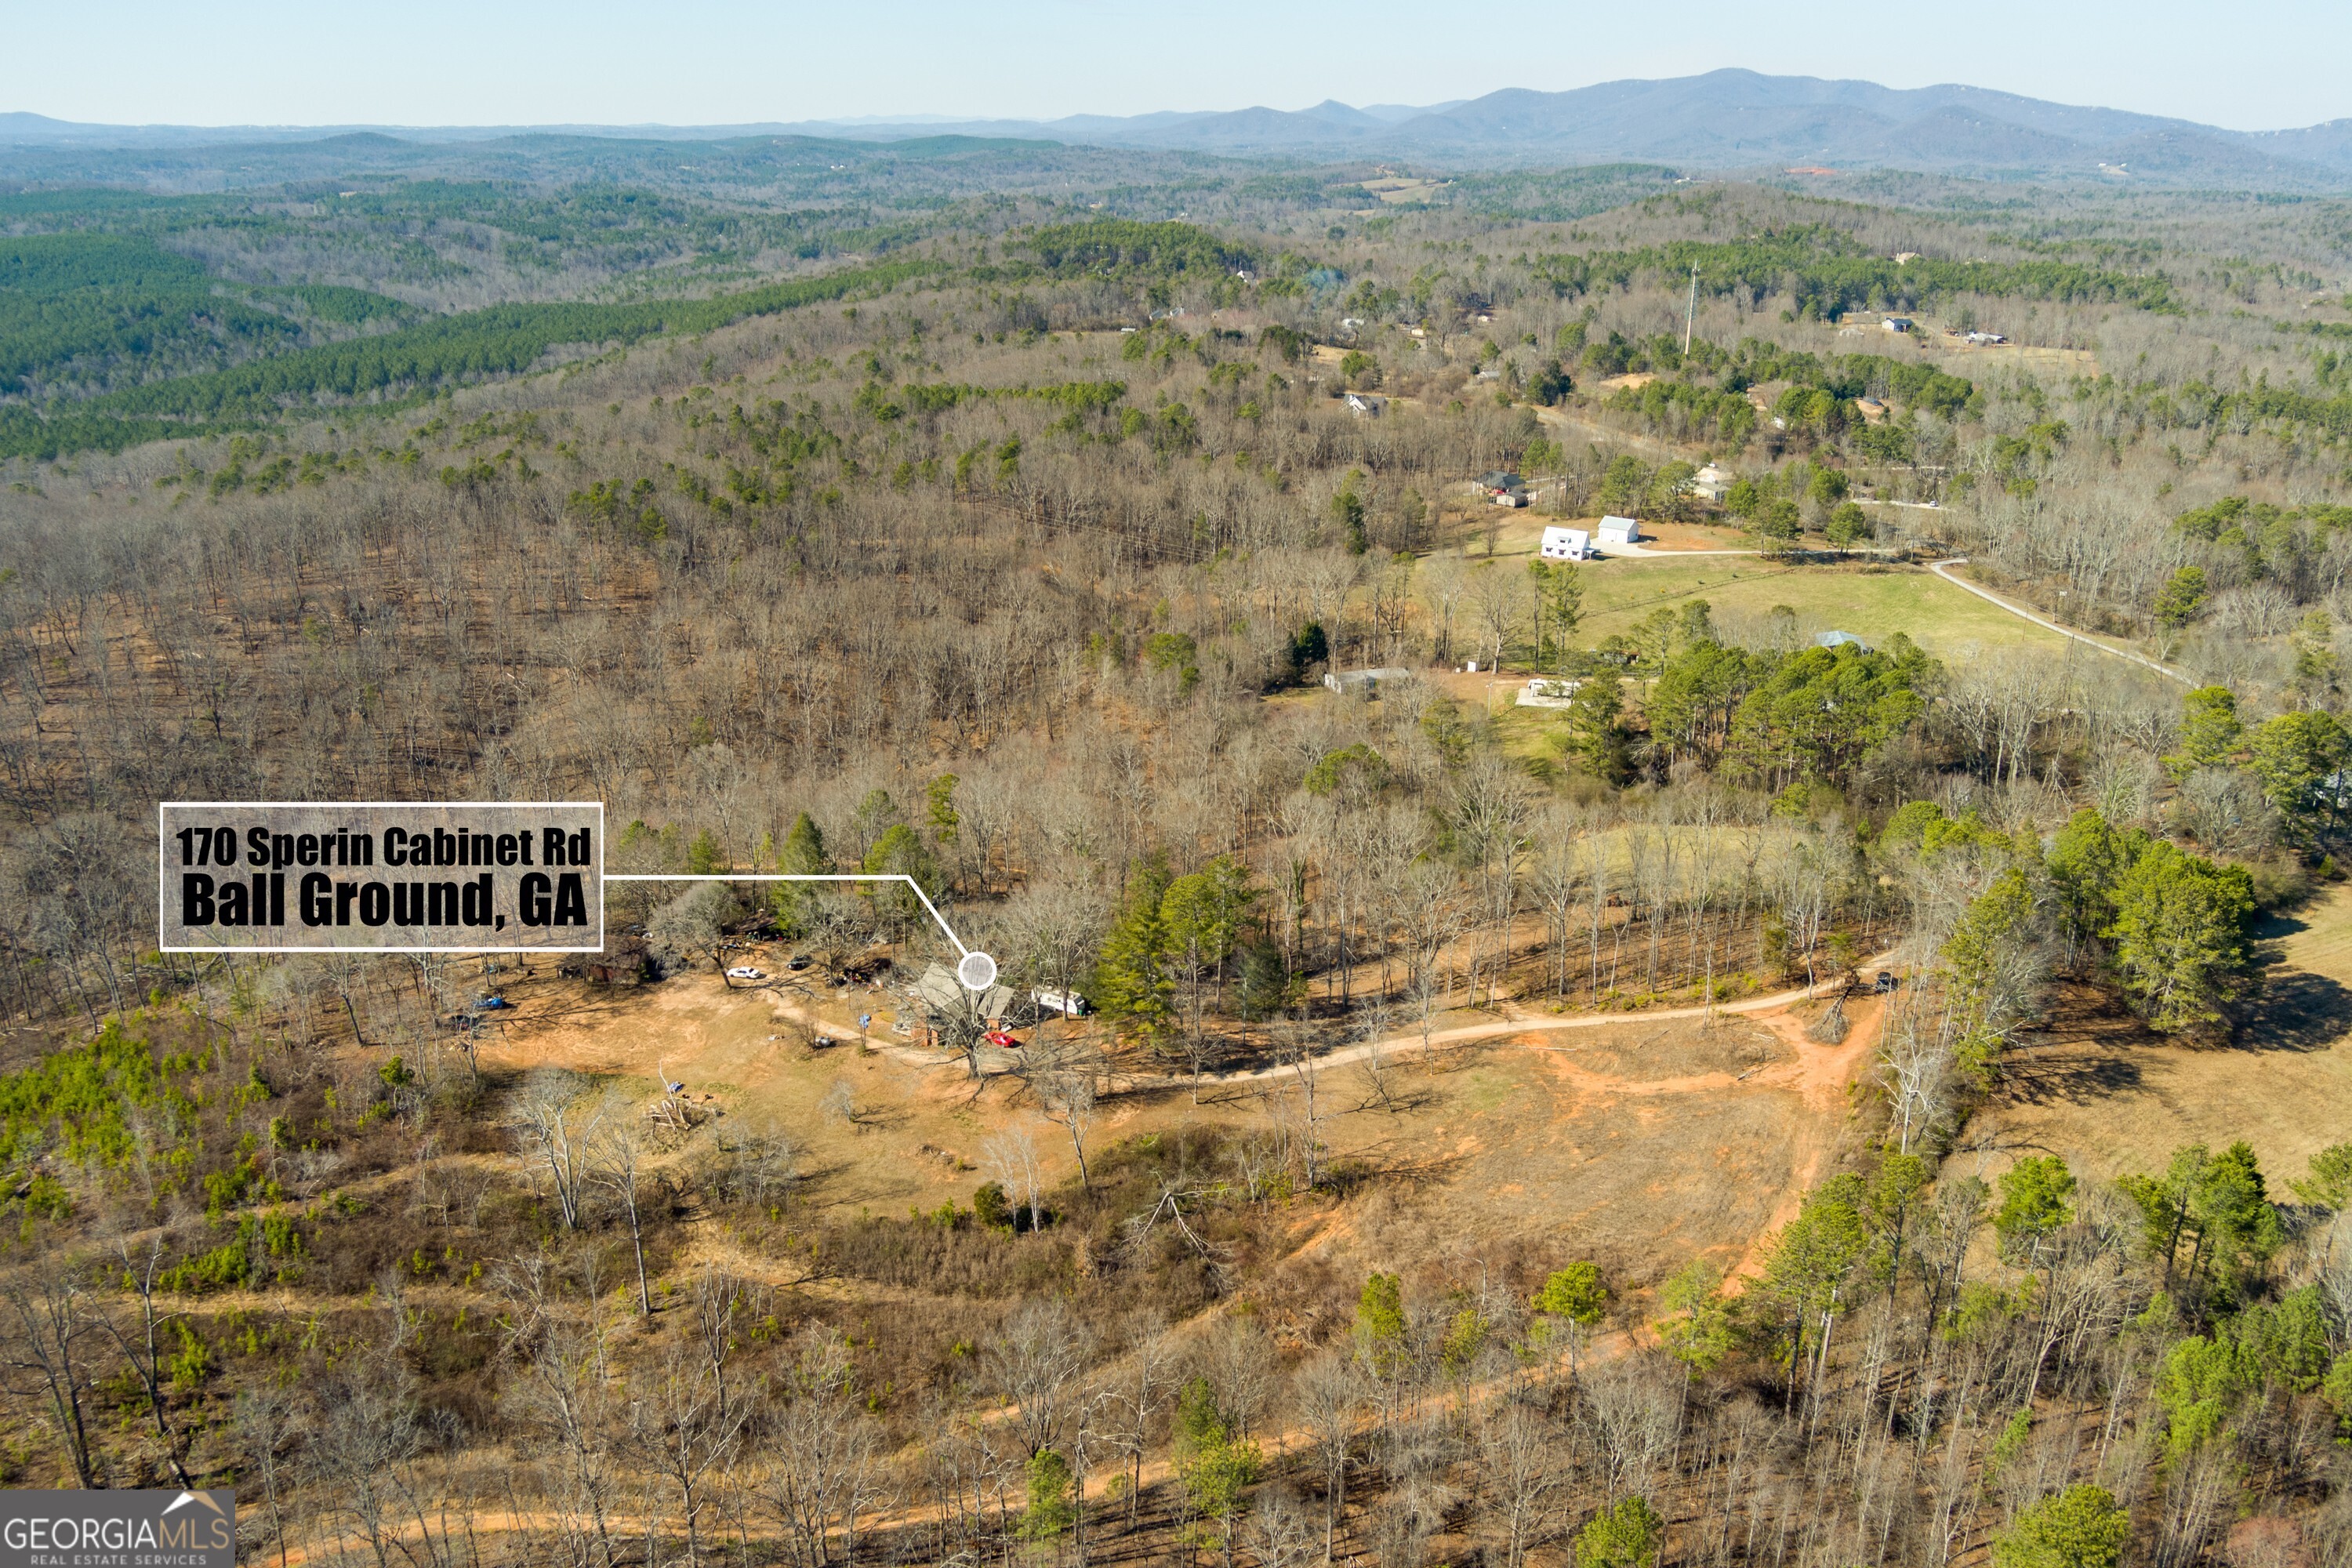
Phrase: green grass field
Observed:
(1873, 605)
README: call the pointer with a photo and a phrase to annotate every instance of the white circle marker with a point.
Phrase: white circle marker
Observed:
(978, 972)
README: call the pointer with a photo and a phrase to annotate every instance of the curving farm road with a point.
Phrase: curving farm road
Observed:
(1346, 1054)
(1989, 598)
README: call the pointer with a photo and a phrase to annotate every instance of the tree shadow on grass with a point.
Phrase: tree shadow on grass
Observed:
(2087, 1047)
(2296, 1010)
(2073, 1069)
(2271, 925)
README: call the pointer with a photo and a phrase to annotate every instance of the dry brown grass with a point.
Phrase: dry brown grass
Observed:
(2108, 1096)
(1638, 1144)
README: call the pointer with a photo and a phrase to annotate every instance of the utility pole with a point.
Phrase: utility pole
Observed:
(1690, 311)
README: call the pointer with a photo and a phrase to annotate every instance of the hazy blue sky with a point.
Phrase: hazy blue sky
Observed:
(2263, 66)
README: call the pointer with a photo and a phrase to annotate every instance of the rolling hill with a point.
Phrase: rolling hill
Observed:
(1722, 120)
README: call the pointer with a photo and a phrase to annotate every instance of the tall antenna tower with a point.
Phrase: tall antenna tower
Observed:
(1690, 311)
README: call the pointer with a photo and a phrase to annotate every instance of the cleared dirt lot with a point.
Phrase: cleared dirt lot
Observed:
(1638, 1143)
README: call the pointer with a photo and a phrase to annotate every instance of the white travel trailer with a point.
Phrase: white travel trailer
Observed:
(1068, 1003)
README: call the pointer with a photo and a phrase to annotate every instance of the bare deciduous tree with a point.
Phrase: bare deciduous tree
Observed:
(41, 1336)
(619, 1152)
(557, 1130)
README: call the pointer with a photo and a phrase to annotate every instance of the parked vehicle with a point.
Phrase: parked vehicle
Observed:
(745, 971)
(1068, 1003)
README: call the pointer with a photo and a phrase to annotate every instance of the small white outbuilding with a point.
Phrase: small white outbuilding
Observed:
(1620, 531)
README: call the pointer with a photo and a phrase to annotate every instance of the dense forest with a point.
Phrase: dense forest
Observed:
(1008, 544)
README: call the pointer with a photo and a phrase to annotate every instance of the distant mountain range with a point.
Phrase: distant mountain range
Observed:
(1725, 119)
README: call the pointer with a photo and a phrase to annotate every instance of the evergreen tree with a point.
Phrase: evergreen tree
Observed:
(1623, 484)
(2078, 1528)
(1814, 1256)
(1576, 1294)
(900, 851)
(2181, 937)
(1847, 526)
(1214, 1468)
(1131, 982)
(2239, 1226)
(1560, 606)
(1267, 989)
(2330, 1184)
(796, 904)
(874, 815)
(2315, 656)
(1051, 1510)
(1201, 917)
(2037, 1201)
(2087, 861)
(2300, 758)
(1381, 1325)
(1309, 647)
(1348, 511)
(1983, 974)
(1822, 712)
(1596, 728)
(2182, 598)
(1626, 1534)
(940, 800)
(2211, 732)
(1699, 1327)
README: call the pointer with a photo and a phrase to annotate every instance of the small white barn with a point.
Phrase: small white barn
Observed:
(1565, 544)
(1620, 531)
(1895, 323)
(1364, 405)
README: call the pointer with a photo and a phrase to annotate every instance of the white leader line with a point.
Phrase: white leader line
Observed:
(961, 950)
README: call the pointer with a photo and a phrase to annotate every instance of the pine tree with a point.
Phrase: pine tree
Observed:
(1596, 730)
(1051, 1511)
(1982, 972)
(1381, 1325)
(2182, 598)
(1131, 982)
(2299, 757)
(2210, 731)
(1267, 988)
(1624, 1535)
(1560, 606)
(2180, 936)
(2078, 1528)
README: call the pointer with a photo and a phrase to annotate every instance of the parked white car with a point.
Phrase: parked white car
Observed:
(745, 971)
